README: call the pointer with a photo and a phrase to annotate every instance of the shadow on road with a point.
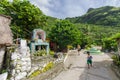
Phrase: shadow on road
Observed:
(78, 67)
(101, 70)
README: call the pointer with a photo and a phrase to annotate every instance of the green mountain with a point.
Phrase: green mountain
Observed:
(49, 24)
(107, 15)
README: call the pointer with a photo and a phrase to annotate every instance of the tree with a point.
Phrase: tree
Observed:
(109, 44)
(64, 33)
(26, 16)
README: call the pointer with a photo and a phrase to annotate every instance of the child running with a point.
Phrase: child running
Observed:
(89, 60)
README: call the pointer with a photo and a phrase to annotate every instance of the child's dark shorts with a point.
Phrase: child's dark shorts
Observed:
(89, 61)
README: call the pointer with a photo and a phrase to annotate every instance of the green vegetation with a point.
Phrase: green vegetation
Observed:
(107, 15)
(51, 52)
(100, 26)
(85, 30)
(97, 35)
(35, 73)
(50, 23)
(43, 53)
(110, 45)
(48, 66)
(64, 33)
(25, 17)
(40, 53)
(69, 47)
(3, 71)
(116, 60)
(115, 37)
(44, 69)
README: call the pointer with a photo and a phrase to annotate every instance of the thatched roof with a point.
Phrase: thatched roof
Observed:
(5, 31)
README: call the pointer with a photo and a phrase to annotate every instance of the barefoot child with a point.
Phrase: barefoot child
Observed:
(89, 60)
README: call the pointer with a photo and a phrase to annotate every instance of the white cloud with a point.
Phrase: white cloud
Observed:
(113, 2)
(43, 5)
(76, 7)
(71, 8)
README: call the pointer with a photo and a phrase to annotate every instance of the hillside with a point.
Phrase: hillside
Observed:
(107, 15)
(50, 22)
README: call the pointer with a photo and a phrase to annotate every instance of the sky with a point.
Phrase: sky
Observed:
(71, 8)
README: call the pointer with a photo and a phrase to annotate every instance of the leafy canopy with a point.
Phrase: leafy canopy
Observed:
(26, 16)
(65, 33)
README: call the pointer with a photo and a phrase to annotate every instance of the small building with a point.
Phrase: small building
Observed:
(38, 40)
(6, 37)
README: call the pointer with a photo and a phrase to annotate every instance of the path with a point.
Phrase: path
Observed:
(78, 70)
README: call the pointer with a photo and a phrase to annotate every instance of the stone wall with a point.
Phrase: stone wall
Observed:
(2, 52)
(39, 62)
(20, 64)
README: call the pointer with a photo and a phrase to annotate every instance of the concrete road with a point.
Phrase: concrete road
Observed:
(76, 68)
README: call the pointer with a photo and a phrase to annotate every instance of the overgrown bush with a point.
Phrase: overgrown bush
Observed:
(109, 44)
(40, 53)
(116, 60)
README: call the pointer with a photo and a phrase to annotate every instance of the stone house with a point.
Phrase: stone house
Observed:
(5, 36)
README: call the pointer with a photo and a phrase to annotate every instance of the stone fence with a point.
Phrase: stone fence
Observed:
(39, 61)
(20, 64)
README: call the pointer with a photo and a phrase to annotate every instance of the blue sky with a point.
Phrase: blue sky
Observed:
(71, 8)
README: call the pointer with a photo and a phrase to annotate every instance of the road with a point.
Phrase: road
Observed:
(76, 68)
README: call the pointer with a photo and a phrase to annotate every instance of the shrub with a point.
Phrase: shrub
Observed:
(116, 60)
(37, 72)
(52, 53)
(69, 47)
(48, 66)
(40, 53)
(115, 57)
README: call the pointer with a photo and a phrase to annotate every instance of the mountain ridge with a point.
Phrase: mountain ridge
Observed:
(107, 15)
